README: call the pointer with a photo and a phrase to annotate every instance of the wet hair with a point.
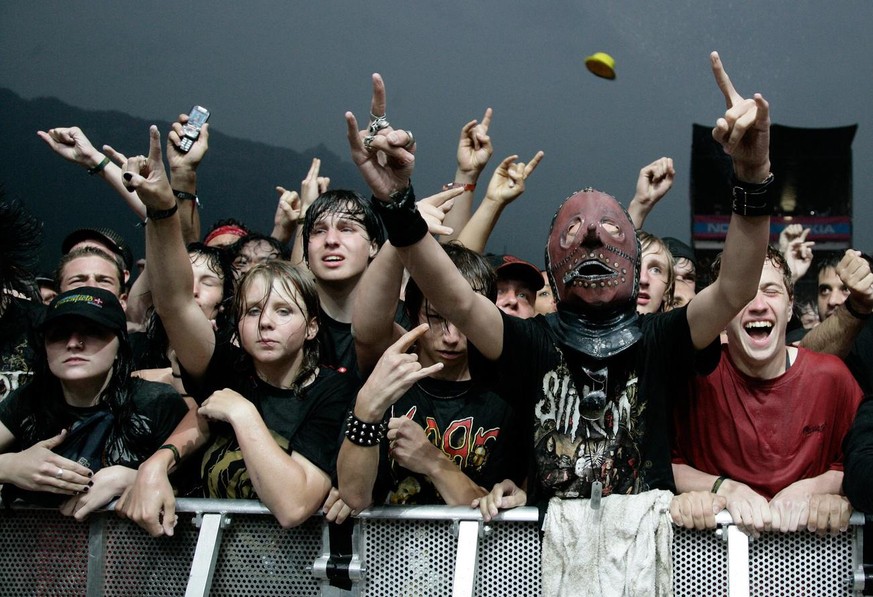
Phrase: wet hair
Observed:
(91, 251)
(155, 354)
(347, 203)
(473, 266)
(255, 237)
(296, 283)
(654, 244)
(775, 257)
(20, 239)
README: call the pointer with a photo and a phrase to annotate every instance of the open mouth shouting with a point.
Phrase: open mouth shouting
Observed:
(758, 331)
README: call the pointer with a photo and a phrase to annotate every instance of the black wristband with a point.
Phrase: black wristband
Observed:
(99, 167)
(183, 196)
(162, 214)
(176, 456)
(854, 313)
(753, 199)
(364, 434)
(403, 223)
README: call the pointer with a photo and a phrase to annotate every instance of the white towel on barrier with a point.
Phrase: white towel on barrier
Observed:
(622, 548)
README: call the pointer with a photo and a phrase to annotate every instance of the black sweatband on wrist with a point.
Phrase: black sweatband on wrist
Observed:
(403, 223)
(854, 313)
(162, 214)
(753, 199)
(361, 433)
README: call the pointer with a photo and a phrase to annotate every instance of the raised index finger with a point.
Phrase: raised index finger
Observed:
(377, 105)
(731, 97)
(408, 339)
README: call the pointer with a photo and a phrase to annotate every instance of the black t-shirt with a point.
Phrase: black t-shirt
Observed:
(17, 324)
(469, 423)
(627, 447)
(157, 409)
(336, 346)
(307, 422)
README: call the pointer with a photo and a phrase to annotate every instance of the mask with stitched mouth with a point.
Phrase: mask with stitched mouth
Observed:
(592, 255)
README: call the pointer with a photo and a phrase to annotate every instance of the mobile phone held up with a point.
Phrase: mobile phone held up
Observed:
(191, 130)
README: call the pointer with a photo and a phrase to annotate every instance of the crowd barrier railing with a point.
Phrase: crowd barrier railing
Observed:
(235, 547)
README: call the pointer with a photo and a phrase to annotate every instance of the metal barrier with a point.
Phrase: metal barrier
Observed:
(236, 547)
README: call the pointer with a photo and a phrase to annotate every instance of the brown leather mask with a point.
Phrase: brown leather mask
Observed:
(592, 255)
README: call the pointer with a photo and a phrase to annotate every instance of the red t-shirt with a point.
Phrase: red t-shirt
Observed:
(768, 433)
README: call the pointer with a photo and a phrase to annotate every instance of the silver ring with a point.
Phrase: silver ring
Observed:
(378, 124)
(411, 141)
(374, 117)
(60, 473)
(368, 141)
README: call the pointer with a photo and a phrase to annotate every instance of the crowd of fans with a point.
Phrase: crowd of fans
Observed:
(365, 351)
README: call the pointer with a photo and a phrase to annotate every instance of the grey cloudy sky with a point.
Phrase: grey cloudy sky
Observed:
(284, 73)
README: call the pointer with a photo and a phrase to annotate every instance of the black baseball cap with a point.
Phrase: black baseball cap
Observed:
(94, 304)
(508, 267)
(680, 250)
(106, 236)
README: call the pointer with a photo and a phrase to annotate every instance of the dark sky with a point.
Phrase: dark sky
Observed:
(284, 73)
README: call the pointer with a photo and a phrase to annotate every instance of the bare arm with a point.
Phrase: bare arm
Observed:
(507, 184)
(183, 176)
(272, 470)
(411, 449)
(474, 151)
(310, 188)
(652, 184)
(71, 144)
(836, 334)
(476, 316)
(188, 329)
(744, 133)
(149, 501)
(394, 374)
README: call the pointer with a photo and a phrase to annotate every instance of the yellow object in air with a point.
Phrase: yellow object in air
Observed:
(601, 64)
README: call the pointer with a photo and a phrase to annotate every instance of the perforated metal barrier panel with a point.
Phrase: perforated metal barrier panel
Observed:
(47, 554)
(808, 564)
(43, 553)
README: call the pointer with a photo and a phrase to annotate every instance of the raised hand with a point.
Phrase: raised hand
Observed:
(503, 496)
(744, 130)
(434, 209)
(312, 186)
(854, 271)
(148, 177)
(384, 156)
(395, 372)
(71, 144)
(474, 147)
(180, 160)
(796, 249)
(508, 181)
